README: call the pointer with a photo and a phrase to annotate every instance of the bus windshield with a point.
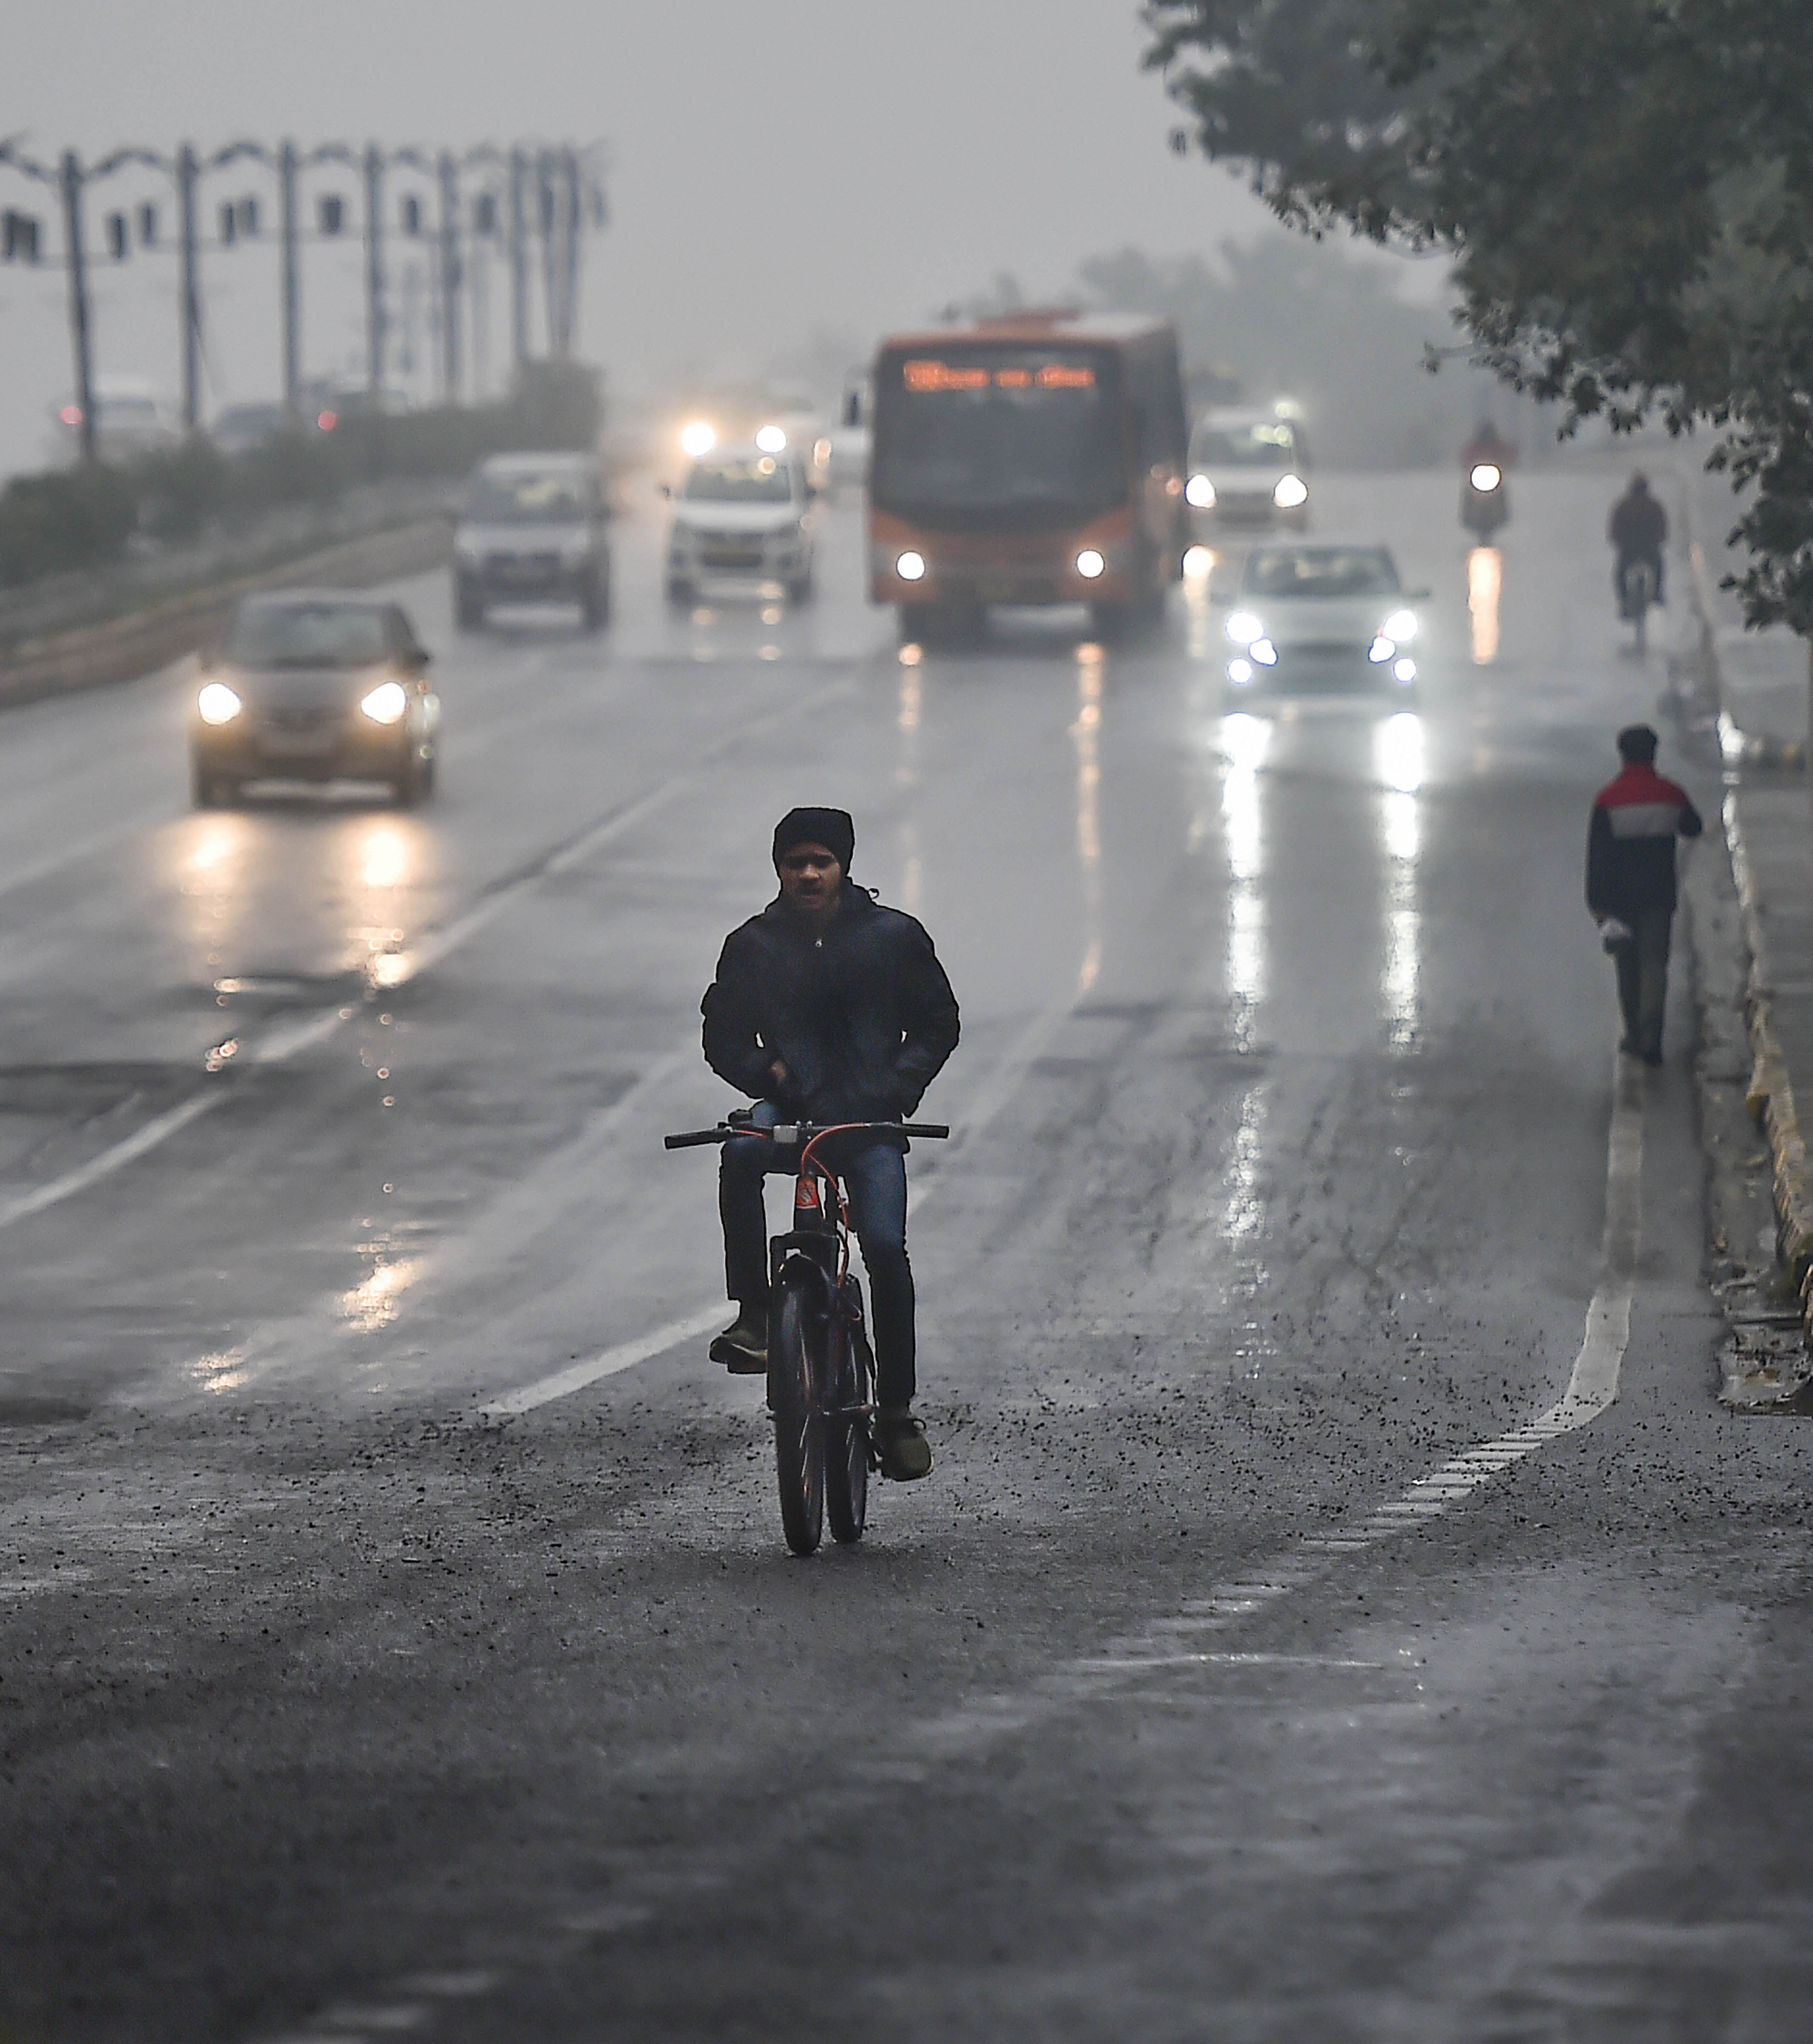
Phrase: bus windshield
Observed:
(991, 433)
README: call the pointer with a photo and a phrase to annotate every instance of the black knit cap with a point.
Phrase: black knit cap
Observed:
(833, 829)
(1636, 744)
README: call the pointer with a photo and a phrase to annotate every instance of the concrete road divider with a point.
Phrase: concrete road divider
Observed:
(98, 655)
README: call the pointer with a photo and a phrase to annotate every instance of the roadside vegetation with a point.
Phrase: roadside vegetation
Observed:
(89, 516)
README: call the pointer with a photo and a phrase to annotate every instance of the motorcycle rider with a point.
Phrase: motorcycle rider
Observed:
(828, 1007)
(1638, 531)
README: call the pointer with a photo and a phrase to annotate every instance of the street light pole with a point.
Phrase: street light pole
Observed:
(292, 285)
(519, 266)
(70, 180)
(189, 288)
(374, 273)
(449, 279)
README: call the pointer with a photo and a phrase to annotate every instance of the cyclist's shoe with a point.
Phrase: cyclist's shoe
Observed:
(899, 1441)
(742, 1347)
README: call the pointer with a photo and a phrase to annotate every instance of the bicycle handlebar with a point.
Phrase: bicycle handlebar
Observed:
(790, 1132)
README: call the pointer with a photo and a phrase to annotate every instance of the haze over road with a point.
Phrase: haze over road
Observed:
(1178, 1702)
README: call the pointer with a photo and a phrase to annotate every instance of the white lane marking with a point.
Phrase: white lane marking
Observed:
(285, 1039)
(994, 1094)
(159, 1129)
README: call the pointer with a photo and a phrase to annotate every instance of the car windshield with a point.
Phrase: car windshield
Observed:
(983, 435)
(126, 408)
(1320, 571)
(1261, 443)
(307, 635)
(528, 496)
(759, 480)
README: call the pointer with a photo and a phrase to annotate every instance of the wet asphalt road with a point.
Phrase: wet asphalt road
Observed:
(331, 1707)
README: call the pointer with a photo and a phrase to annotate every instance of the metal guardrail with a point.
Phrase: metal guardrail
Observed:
(100, 656)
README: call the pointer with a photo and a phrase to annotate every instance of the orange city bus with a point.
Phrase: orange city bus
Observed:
(1039, 458)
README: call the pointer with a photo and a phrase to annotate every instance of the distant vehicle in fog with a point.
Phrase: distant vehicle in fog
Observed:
(315, 685)
(742, 517)
(533, 529)
(130, 418)
(1247, 468)
(1037, 458)
(849, 441)
(1485, 495)
(1312, 617)
(241, 428)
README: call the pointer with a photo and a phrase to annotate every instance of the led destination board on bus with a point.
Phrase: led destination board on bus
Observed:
(924, 374)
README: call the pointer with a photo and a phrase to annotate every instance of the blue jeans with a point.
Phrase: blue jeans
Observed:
(874, 1178)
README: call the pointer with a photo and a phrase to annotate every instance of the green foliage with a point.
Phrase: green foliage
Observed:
(85, 517)
(1626, 187)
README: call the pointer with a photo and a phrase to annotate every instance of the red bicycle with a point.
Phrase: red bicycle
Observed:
(821, 1370)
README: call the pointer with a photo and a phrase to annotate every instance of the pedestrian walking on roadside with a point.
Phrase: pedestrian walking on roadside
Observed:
(1630, 882)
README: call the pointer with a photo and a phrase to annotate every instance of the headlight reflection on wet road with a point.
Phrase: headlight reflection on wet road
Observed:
(1398, 759)
(1485, 581)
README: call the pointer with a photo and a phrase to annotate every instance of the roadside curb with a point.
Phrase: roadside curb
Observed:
(100, 656)
(1768, 1367)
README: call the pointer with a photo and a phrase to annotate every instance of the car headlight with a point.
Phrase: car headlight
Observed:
(911, 566)
(1243, 628)
(1240, 672)
(1090, 564)
(1486, 477)
(1401, 625)
(1380, 650)
(1404, 670)
(218, 704)
(772, 440)
(386, 703)
(1291, 491)
(1200, 492)
(699, 438)
(1264, 651)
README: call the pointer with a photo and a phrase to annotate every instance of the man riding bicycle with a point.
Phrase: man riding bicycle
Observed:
(828, 1007)
(1638, 530)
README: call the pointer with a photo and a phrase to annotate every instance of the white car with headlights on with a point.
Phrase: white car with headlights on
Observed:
(742, 516)
(1246, 468)
(1307, 619)
(315, 685)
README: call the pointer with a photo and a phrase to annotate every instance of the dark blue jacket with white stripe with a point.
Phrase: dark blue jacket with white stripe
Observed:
(1629, 848)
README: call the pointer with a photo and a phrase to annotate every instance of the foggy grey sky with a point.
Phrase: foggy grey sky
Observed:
(780, 166)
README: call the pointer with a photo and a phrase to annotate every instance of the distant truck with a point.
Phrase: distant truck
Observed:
(1033, 459)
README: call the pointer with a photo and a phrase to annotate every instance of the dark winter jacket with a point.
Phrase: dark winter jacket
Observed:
(1630, 847)
(1639, 527)
(862, 1018)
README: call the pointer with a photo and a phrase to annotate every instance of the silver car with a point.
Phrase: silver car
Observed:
(742, 516)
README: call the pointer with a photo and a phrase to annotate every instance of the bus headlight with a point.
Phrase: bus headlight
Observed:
(218, 704)
(1090, 564)
(1380, 650)
(386, 703)
(1264, 651)
(1200, 492)
(1405, 670)
(911, 567)
(1239, 672)
(1291, 491)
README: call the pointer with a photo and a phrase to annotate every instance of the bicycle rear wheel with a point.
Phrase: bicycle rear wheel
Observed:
(846, 1431)
(795, 1355)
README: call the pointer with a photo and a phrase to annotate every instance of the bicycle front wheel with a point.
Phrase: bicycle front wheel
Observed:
(794, 1374)
(847, 1431)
